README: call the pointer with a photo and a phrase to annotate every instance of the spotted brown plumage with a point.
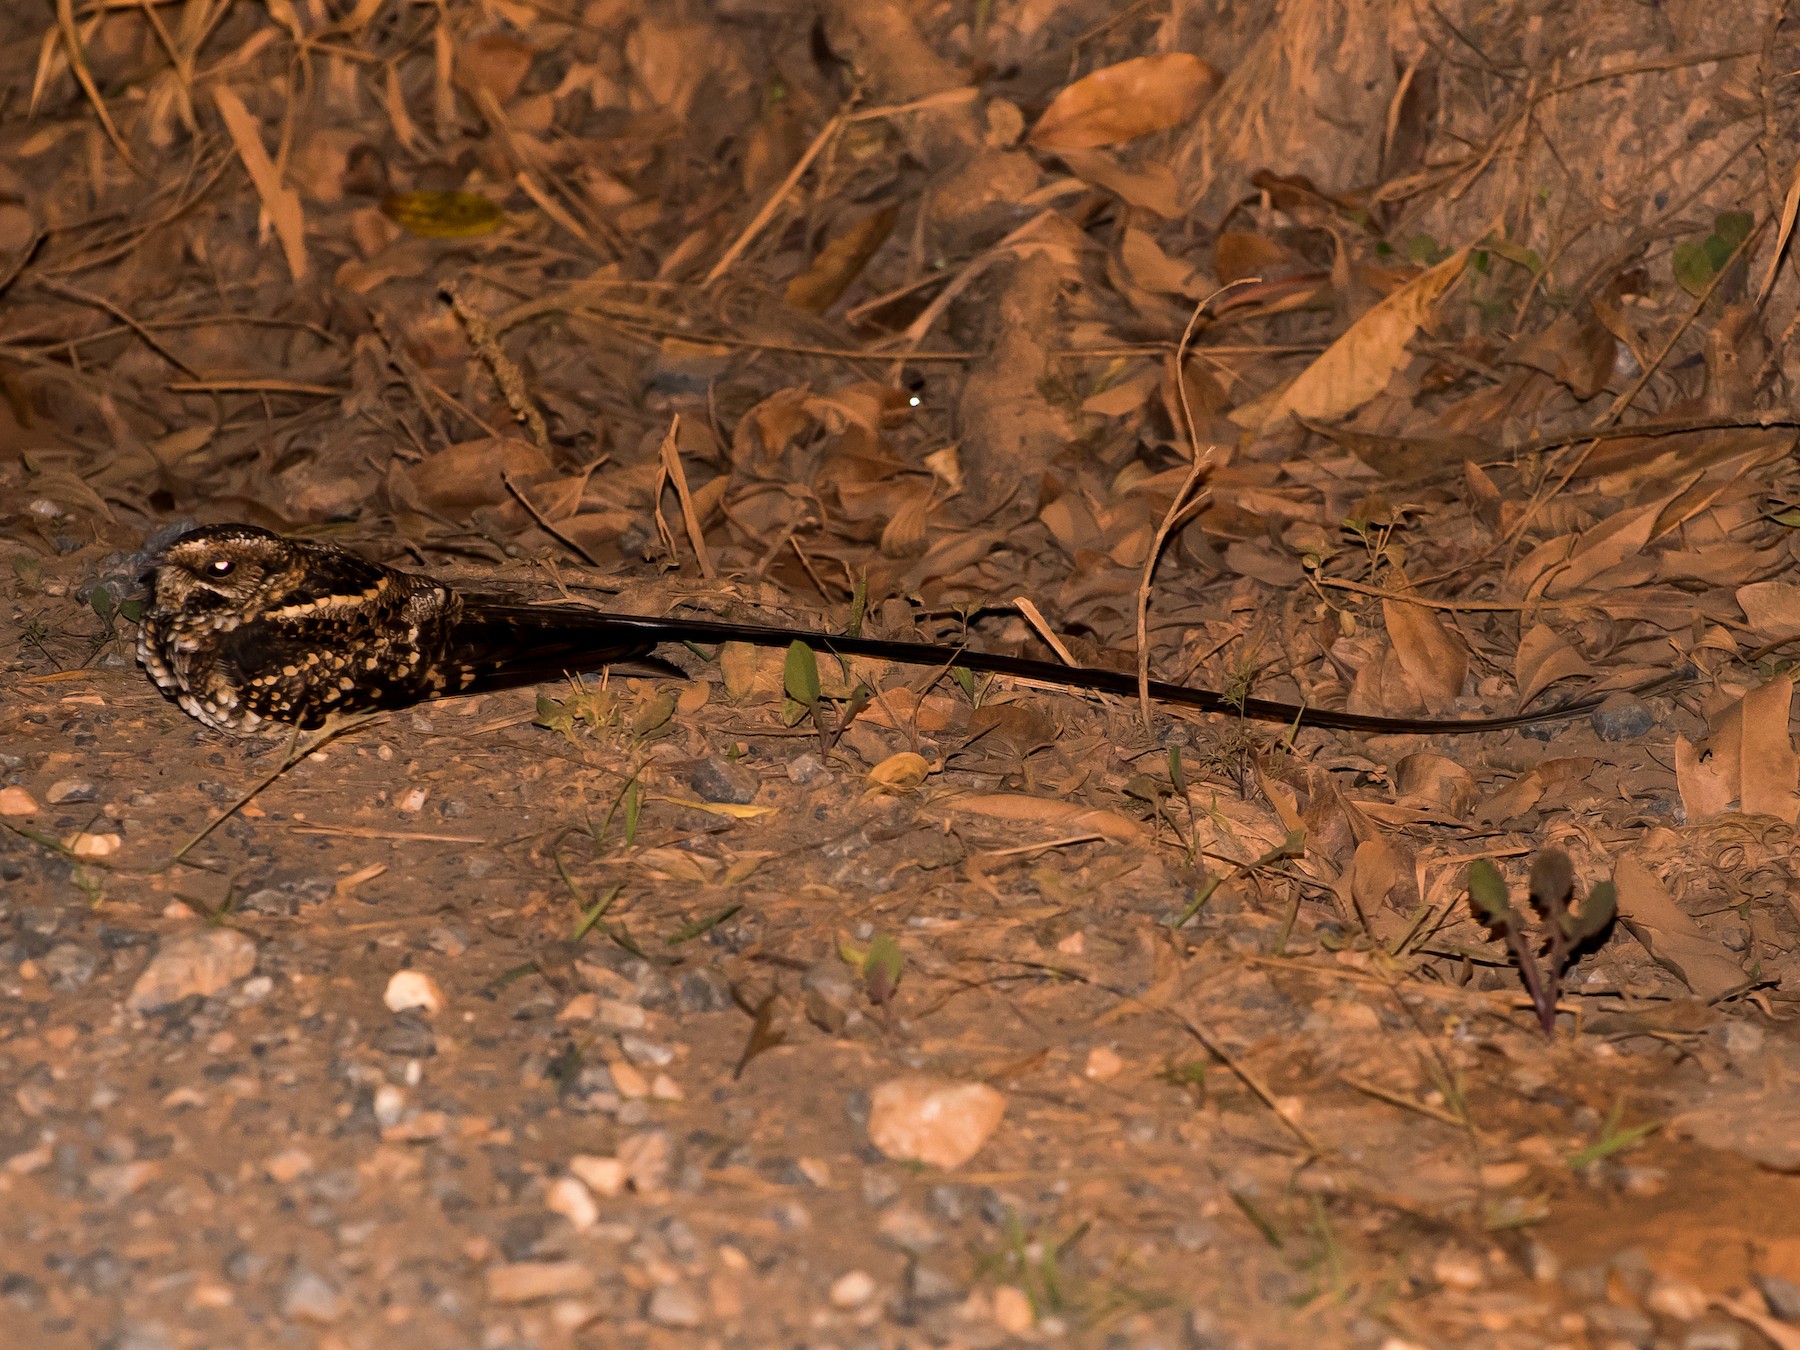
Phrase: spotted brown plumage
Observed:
(245, 627)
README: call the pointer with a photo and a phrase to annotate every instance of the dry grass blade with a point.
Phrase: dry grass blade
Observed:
(670, 452)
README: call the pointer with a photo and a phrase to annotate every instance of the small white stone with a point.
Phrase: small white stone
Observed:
(199, 963)
(1103, 1064)
(413, 801)
(574, 1201)
(16, 801)
(604, 1175)
(852, 1289)
(413, 989)
(95, 845)
(1012, 1310)
(390, 1105)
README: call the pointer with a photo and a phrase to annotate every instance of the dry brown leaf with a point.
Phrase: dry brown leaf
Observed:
(1150, 187)
(1124, 101)
(280, 202)
(1070, 816)
(461, 477)
(1544, 658)
(1610, 543)
(1576, 351)
(1674, 940)
(1356, 367)
(1436, 659)
(1749, 759)
(1772, 607)
(840, 261)
(1435, 780)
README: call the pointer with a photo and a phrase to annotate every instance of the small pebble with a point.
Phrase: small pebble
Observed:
(413, 989)
(1103, 1064)
(933, 1120)
(1012, 1310)
(528, 1281)
(412, 801)
(852, 1289)
(16, 801)
(288, 1164)
(70, 790)
(806, 768)
(199, 963)
(723, 780)
(1622, 718)
(673, 1305)
(604, 1175)
(95, 845)
(307, 1297)
(574, 1201)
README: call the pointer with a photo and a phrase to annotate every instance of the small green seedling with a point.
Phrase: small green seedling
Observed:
(1564, 929)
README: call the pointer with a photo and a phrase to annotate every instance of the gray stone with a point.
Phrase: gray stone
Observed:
(1622, 718)
(69, 966)
(71, 790)
(308, 1297)
(702, 990)
(723, 780)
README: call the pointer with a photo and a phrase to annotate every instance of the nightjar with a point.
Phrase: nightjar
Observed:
(246, 627)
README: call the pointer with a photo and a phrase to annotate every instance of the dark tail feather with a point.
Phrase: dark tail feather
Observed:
(504, 646)
(583, 640)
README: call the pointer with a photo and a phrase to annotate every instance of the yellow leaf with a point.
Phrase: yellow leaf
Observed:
(443, 215)
(899, 773)
(732, 809)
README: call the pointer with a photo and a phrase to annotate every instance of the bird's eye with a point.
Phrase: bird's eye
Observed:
(221, 567)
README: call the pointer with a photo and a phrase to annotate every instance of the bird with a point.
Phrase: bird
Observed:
(245, 627)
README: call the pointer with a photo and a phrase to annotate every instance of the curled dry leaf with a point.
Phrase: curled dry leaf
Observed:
(1069, 816)
(1772, 607)
(1356, 367)
(1544, 658)
(899, 773)
(1676, 942)
(1121, 102)
(1435, 659)
(1749, 759)
(1435, 780)
(461, 477)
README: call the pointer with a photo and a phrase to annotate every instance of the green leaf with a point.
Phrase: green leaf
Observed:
(101, 599)
(693, 930)
(1730, 229)
(654, 714)
(1177, 776)
(443, 215)
(1693, 266)
(634, 808)
(133, 610)
(1596, 913)
(593, 914)
(800, 674)
(1487, 891)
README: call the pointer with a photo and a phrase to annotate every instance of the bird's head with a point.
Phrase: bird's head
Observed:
(223, 567)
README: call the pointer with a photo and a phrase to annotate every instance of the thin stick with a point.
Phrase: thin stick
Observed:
(776, 198)
(294, 756)
(545, 525)
(1199, 466)
(1036, 620)
(671, 464)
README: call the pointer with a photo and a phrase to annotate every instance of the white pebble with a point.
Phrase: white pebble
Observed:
(852, 1289)
(575, 1202)
(413, 989)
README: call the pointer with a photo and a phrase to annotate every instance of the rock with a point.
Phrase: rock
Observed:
(70, 790)
(528, 1281)
(1622, 718)
(648, 1161)
(1783, 1296)
(1012, 1310)
(16, 801)
(307, 1297)
(198, 963)
(574, 1201)
(605, 1175)
(410, 989)
(724, 780)
(831, 995)
(702, 990)
(933, 1120)
(69, 966)
(410, 1035)
(141, 1336)
(1103, 1064)
(673, 1305)
(806, 768)
(852, 1289)
(95, 845)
